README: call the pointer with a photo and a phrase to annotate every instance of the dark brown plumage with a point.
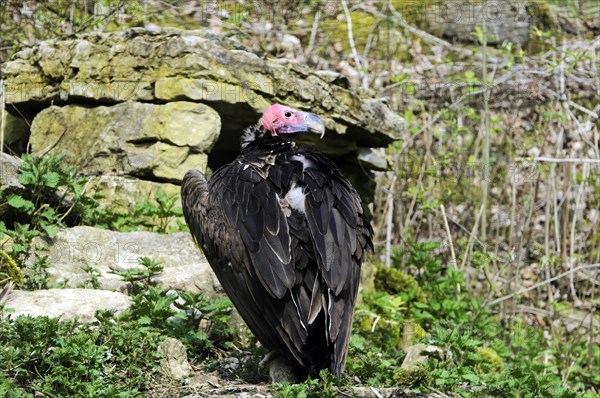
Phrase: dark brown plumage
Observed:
(285, 233)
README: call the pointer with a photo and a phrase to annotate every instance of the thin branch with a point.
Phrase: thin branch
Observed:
(390, 223)
(522, 291)
(75, 201)
(377, 394)
(472, 237)
(6, 291)
(486, 133)
(353, 46)
(555, 205)
(583, 109)
(2, 115)
(441, 394)
(313, 33)
(449, 236)
(547, 219)
(576, 213)
(565, 160)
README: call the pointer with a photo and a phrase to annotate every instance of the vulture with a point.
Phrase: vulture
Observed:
(285, 233)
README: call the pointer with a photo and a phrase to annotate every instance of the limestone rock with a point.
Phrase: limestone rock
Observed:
(374, 159)
(504, 21)
(9, 173)
(202, 380)
(161, 142)
(134, 70)
(205, 385)
(73, 248)
(66, 303)
(580, 18)
(10, 167)
(171, 64)
(174, 362)
(121, 192)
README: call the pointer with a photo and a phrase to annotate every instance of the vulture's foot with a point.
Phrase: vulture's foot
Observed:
(268, 358)
(281, 370)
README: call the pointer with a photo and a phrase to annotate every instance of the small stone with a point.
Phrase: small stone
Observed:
(419, 353)
(527, 283)
(528, 275)
(10, 168)
(291, 44)
(174, 362)
(203, 380)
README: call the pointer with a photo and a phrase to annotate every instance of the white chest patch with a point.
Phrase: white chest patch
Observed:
(296, 198)
(305, 162)
(293, 199)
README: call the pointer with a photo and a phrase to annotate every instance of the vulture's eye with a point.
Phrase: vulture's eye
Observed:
(288, 114)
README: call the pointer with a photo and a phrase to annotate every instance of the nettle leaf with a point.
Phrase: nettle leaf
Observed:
(19, 248)
(473, 378)
(27, 178)
(49, 214)
(180, 315)
(51, 179)
(78, 189)
(20, 203)
(51, 229)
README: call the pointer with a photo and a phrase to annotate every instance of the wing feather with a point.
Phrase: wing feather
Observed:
(339, 231)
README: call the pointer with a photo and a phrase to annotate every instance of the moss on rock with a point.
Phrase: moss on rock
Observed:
(490, 361)
(394, 281)
(9, 270)
(413, 377)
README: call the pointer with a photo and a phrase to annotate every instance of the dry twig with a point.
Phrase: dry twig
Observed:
(449, 236)
(365, 80)
(557, 277)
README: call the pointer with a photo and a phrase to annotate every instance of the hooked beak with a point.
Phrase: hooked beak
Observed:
(308, 123)
(313, 123)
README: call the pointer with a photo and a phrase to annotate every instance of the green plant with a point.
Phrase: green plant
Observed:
(477, 357)
(114, 356)
(93, 274)
(326, 385)
(65, 358)
(53, 193)
(444, 293)
(285, 390)
(190, 317)
(38, 271)
(372, 363)
(413, 377)
(160, 215)
(141, 278)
